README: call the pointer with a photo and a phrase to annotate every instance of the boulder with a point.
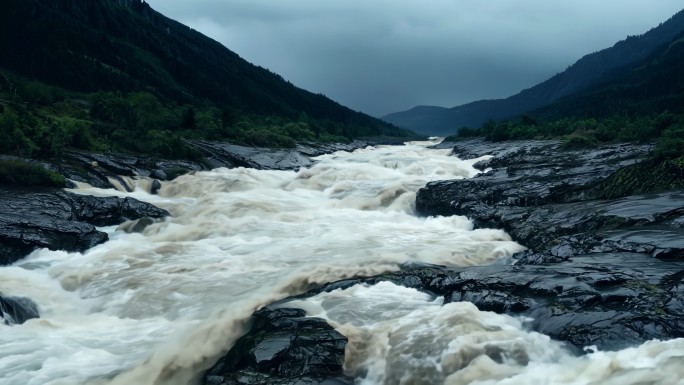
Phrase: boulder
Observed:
(283, 347)
(159, 174)
(57, 220)
(17, 310)
(21, 234)
(107, 211)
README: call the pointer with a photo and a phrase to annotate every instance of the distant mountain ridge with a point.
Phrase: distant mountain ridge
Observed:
(587, 71)
(126, 46)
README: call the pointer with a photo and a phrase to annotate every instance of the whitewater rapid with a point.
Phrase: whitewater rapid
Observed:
(160, 307)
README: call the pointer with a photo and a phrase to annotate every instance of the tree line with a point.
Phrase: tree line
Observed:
(39, 120)
(667, 128)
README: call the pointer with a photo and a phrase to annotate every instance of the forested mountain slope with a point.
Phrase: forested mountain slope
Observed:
(105, 57)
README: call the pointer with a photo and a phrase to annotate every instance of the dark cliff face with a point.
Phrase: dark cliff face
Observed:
(595, 68)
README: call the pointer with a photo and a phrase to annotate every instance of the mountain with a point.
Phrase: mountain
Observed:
(125, 47)
(588, 71)
(649, 86)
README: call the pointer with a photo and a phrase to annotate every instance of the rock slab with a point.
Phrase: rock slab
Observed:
(57, 220)
(283, 347)
(17, 310)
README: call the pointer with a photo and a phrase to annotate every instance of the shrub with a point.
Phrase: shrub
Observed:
(174, 172)
(21, 173)
(671, 144)
(576, 141)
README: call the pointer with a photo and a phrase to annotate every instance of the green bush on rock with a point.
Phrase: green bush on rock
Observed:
(578, 141)
(16, 172)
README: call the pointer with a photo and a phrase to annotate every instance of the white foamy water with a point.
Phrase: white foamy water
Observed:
(160, 307)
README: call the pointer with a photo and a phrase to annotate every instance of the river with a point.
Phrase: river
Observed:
(159, 307)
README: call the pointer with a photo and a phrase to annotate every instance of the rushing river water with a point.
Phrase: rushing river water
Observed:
(158, 307)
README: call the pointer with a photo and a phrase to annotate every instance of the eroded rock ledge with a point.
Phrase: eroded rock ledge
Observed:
(58, 220)
(50, 218)
(110, 170)
(565, 203)
(283, 347)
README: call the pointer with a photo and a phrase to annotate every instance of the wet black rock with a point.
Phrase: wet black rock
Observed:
(17, 310)
(156, 186)
(159, 174)
(217, 154)
(21, 234)
(230, 155)
(107, 211)
(317, 149)
(553, 202)
(99, 170)
(283, 347)
(57, 220)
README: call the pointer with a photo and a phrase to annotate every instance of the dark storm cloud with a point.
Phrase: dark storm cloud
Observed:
(382, 56)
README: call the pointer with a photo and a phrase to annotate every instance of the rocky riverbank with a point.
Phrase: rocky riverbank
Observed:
(604, 267)
(114, 170)
(562, 204)
(32, 218)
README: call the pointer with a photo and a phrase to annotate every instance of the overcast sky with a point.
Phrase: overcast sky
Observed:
(383, 56)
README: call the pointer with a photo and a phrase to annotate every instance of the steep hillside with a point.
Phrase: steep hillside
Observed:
(125, 47)
(588, 71)
(652, 85)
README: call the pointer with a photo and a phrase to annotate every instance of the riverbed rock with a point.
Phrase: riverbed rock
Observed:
(100, 169)
(155, 187)
(283, 347)
(17, 310)
(107, 211)
(21, 234)
(58, 220)
(219, 154)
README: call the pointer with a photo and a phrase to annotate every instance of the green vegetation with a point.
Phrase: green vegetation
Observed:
(671, 143)
(37, 120)
(20, 173)
(651, 176)
(666, 127)
(175, 172)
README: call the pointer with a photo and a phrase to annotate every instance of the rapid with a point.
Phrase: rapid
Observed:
(158, 308)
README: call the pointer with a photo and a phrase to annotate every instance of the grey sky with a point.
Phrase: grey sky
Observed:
(382, 56)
